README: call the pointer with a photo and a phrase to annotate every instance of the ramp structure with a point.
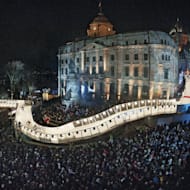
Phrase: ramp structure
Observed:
(95, 125)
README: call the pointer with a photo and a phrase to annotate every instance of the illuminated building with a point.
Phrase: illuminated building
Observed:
(120, 66)
(182, 40)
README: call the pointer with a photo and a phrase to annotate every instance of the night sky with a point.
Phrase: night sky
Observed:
(32, 30)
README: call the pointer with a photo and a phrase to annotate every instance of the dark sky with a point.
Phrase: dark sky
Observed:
(32, 30)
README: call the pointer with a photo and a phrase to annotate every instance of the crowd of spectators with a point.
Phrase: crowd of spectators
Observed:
(54, 113)
(157, 159)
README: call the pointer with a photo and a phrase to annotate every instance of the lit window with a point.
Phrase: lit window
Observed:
(94, 28)
(109, 29)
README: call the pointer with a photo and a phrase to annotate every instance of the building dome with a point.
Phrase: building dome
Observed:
(100, 26)
(100, 19)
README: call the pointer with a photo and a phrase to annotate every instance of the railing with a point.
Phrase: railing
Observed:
(92, 126)
(7, 103)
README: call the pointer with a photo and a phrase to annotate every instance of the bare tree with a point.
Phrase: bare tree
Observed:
(15, 72)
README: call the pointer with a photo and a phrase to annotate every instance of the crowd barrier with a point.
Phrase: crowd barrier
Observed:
(96, 125)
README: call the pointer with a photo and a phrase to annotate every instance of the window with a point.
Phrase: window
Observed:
(145, 91)
(62, 84)
(112, 57)
(93, 70)
(101, 70)
(135, 91)
(66, 71)
(93, 59)
(112, 71)
(168, 58)
(66, 61)
(164, 94)
(145, 41)
(136, 71)
(62, 71)
(87, 69)
(127, 57)
(126, 43)
(77, 59)
(87, 59)
(126, 88)
(166, 73)
(162, 56)
(101, 58)
(135, 42)
(78, 70)
(136, 57)
(126, 71)
(161, 41)
(145, 56)
(145, 73)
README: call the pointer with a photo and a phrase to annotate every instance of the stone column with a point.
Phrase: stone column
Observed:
(118, 89)
(139, 92)
(82, 61)
(105, 60)
(107, 88)
(97, 62)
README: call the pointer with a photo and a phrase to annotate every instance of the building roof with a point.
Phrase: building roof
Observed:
(100, 18)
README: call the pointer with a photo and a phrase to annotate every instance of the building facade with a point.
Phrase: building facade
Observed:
(125, 66)
(182, 40)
